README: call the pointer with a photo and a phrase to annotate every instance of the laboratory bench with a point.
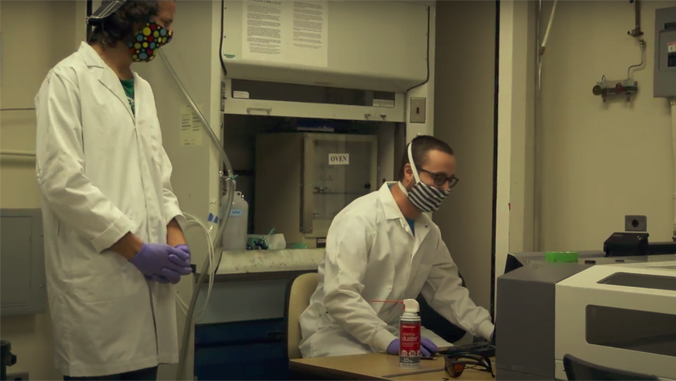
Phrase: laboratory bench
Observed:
(242, 333)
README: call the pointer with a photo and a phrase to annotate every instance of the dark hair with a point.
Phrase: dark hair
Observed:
(120, 26)
(421, 146)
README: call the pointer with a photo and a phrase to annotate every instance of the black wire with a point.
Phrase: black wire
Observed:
(89, 13)
(225, 73)
(220, 49)
(17, 109)
(428, 54)
(495, 154)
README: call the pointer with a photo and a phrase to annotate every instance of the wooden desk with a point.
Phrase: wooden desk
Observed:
(468, 374)
(377, 366)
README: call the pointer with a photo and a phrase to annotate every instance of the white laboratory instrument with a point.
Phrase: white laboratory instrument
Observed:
(618, 316)
(621, 316)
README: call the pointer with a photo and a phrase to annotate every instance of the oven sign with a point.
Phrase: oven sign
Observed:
(339, 159)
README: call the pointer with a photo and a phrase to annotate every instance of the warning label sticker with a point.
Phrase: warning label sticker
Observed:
(671, 47)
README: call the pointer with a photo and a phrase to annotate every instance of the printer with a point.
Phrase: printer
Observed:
(617, 315)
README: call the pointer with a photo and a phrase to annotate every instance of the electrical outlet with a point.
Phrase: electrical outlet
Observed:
(636, 223)
(17, 376)
(418, 110)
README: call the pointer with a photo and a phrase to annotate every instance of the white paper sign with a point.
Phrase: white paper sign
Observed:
(383, 103)
(671, 47)
(282, 31)
(339, 159)
(191, 127)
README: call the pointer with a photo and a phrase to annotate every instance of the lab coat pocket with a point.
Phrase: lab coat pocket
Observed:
(114, 332)
(99, 277)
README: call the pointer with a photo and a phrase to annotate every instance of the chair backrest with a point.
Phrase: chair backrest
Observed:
(297, 300)
(577, 369)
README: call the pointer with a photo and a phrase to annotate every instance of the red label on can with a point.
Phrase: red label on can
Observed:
(409, 343)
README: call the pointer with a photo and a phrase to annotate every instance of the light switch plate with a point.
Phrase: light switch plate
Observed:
(418, 110)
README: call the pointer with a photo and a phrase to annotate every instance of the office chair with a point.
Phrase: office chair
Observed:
(577, 369)
(298, 296)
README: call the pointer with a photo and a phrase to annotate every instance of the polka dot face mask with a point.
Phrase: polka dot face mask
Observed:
(146, 42)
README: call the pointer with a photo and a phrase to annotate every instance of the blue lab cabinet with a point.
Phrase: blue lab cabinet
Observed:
(245, 350)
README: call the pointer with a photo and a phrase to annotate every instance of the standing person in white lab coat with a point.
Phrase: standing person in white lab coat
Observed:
(114, 244)
(384, 247)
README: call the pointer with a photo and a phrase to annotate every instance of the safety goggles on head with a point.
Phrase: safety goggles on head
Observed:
(440, 178)
(456, 364)
(107, 8)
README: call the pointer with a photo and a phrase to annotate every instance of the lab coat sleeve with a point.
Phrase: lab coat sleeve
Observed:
(170, 201)
(347, 246)
(446, 295)
(60, 166)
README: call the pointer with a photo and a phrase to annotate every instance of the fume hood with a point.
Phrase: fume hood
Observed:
(350, 60)
(367, 45)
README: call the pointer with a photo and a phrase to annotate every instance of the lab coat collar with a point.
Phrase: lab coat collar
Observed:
(91, 57)
(390, 206)
(392, 210)
(106, 75)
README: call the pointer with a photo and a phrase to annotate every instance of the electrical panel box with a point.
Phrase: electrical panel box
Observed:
(665, 53)
(24, 289)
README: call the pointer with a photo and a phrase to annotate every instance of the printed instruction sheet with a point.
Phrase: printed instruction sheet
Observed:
(284, 31)
(191, 127)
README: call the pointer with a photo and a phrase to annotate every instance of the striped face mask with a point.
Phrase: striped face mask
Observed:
(424, 197)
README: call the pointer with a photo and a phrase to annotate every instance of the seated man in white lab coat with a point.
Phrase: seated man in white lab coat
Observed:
(382, 247)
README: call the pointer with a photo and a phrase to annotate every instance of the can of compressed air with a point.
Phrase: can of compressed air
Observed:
(409, 335)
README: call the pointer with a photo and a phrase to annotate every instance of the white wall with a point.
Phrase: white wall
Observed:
(519, 69)
(601, 161)
(426, 90)
(465, 72)
(515, 182)
(35, 36)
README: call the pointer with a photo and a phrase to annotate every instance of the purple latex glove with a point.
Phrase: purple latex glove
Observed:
(182, 260)
(393, 348)
(155, 257)
(185, 259)
(427, 347)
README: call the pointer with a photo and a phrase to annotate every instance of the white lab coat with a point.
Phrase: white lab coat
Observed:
(103, 172)
(372, 255)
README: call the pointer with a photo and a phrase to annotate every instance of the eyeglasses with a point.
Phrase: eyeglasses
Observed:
(456, 364)
(440, 178)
